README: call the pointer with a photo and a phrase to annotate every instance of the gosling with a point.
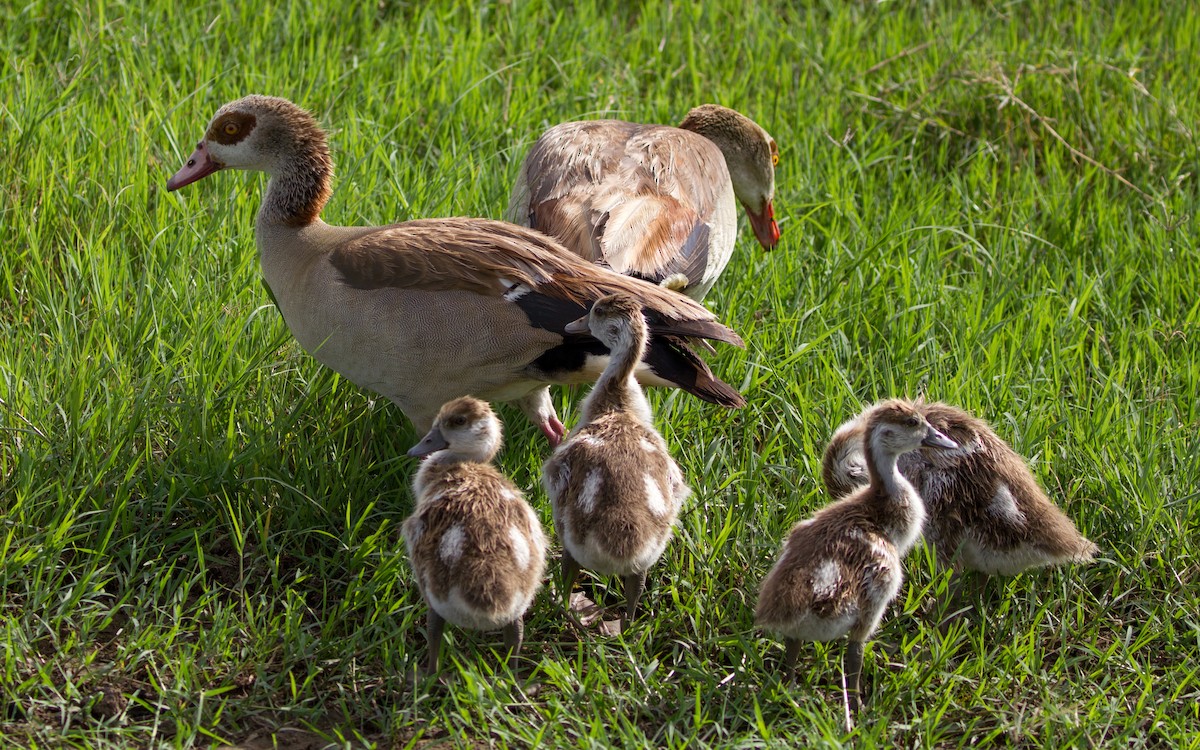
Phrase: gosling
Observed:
(841, 568)
(987, 512)
(476, 547)
(614, 489)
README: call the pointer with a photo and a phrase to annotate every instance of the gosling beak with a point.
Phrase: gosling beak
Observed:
(578, 326)
(199, 165)
(764, 226)
(935, 439)
(431, 443)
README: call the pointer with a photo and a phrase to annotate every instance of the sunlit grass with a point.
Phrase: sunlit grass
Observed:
(994, 205)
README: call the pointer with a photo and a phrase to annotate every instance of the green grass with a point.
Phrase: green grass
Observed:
(995, 203)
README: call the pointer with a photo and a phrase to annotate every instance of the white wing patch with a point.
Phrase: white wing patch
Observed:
(451, 546)
(590, 491)
(654, 497)
(1004, 506)
(826, 579)
(520, 547)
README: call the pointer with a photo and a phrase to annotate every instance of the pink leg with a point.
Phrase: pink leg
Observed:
(553, 430)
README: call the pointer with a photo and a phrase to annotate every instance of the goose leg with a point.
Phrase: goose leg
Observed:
(790, 655)
(434, 625)
(851, 675)
(570, 570)
(633, 585)
(514, 635)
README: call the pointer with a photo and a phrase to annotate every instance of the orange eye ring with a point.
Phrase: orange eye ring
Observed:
(774, 160)
(230, 128)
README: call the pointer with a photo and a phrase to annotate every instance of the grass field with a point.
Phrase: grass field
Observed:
(995, 203)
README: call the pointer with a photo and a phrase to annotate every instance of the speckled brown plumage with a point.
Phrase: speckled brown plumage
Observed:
(476, 547)
(986, 511)
(651, 201)
(840, 569)
(614, 489)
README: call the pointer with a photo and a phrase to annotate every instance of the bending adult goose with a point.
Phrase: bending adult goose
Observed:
(841, 568)
(429, 310)
(614, 489)
(652, 201)
(987, 512)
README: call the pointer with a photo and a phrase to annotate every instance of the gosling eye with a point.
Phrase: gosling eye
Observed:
(458, 421)
(912, 422)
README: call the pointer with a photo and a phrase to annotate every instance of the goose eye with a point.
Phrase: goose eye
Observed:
(231, 128)
(774, 160)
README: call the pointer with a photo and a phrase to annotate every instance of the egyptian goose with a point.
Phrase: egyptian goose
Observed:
(476, 547)
(652, 201)
(429, 310)
(614, 489)
(987, 512)
(841, 568)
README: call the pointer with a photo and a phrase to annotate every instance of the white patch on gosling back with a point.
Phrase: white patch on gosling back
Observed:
(590, 491)
(520, 547)
(592, 440)
(1004, 506)
(647, 446)
(509, 495)
(654, 497)
(826, 580)
(451, 546)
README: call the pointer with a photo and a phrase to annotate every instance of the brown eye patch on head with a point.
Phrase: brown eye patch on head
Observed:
(231, 128)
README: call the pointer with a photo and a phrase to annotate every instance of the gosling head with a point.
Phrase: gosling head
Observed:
(466, 429)
(751, 155)
(264, 133)
(897, 426)
(616, 321)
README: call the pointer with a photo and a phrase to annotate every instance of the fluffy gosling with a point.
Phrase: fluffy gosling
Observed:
(476, 547)
(841, 568)
(614, 489)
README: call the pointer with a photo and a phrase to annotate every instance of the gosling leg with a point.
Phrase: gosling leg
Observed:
(790, 656)
(851, 675)
(633, 585)
(434, 625)
(514, 636)
(570, 570)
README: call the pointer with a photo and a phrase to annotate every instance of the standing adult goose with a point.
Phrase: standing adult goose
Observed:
(429, 310)
(841, 568)
(987, 512)
(652, 201)
(614, 489)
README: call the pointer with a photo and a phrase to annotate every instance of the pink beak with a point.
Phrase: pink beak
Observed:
(764, 226)
(199, 165)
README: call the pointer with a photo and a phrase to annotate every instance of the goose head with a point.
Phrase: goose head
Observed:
(896, 426)
(616, 321)
(263, 133)
(465, 429)
(751, 155)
